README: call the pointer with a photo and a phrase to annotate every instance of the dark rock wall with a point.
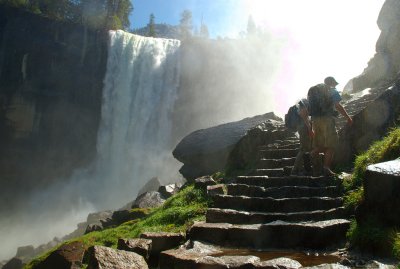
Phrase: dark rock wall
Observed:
(51, 80)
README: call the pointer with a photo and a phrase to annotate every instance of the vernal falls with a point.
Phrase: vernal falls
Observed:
(133, 144)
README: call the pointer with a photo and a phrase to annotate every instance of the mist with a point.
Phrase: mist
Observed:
(212, 81)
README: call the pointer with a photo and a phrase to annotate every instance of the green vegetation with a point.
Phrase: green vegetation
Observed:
(176, 215)
(384, 150)
(374, 238)
(97, 14)
(371, 235)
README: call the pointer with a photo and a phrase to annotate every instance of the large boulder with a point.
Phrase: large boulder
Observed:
(148, 199)
(206, 151)
(108, 258)
(138, 245)
(68, 256)
(381, 200)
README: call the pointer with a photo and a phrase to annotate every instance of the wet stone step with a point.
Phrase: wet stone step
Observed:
(282, 192)
(278, 234)
(275, 163)
(277, 146)
(267, 204)
(272, 172)
(290, 141)
(218, 215)
(278, 153)
(265, 181)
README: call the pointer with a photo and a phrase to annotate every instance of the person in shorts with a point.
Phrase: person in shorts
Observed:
(324, 127)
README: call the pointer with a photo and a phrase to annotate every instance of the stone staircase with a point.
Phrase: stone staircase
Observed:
(271, 209)
(268, 209)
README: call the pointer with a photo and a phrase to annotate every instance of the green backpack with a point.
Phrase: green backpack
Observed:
(320, 101)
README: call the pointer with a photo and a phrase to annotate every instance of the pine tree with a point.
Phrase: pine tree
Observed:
(151, 26)
(186, 25)
(204, 31)
(251, 26)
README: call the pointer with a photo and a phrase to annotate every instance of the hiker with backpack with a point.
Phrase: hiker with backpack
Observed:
(324, 102)
(297, 120)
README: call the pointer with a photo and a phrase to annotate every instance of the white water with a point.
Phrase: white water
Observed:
(134, 144)
(134, 139)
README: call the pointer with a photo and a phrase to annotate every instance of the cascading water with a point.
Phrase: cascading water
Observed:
(133, 145)
(140, 89)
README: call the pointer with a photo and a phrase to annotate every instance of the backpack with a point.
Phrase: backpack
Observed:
(292, 118)
(320, 101)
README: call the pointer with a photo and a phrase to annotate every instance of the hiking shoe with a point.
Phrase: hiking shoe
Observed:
(328, 172)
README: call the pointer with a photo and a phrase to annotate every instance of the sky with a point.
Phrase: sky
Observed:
(323, 37)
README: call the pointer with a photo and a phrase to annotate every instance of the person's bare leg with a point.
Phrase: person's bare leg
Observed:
(328, 157)
(328, 162)
(316, 161)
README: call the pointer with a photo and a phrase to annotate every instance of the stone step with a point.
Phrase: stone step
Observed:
(278, 234)
(218, 215)
(278, 153)
(291, 145)
(275, 163)
(282, 192)
(265, 181)
(267, 204)
(272, 172)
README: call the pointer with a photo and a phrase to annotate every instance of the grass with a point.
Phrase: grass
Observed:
(384, 150)
(177, 214)
(371, 236)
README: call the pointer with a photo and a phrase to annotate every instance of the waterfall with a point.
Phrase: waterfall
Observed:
(140, 89)
(133, 144)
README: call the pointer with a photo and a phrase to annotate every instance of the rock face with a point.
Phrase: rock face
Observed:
(374, 112)
(381, 199)
(51, 77)
(206, 151)
(386, 62)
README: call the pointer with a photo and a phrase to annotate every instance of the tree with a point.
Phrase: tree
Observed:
(186, 24)
(151, 26)
(204, 31)
(118, 12)
(251, 26)
(93, 13)
(98, 14)
(15, 3)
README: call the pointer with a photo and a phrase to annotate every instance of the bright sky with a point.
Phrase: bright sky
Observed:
(323, 37)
